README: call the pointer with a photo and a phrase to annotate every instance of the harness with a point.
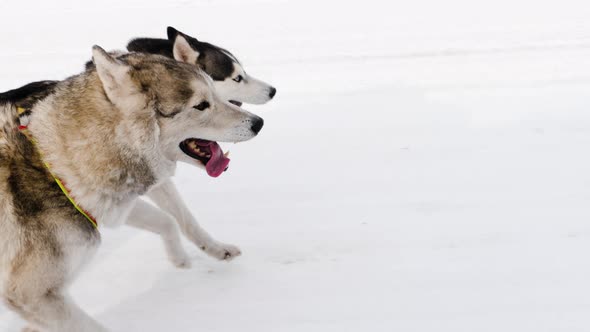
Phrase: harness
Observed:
(60, 183)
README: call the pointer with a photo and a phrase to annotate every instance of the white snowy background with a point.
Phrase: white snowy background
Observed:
(424, 167)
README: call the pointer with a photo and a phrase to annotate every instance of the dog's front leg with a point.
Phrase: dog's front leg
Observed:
(168, 199)
(148, 217)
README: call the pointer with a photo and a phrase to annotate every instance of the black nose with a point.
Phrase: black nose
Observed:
(257, 125)
(272, 92)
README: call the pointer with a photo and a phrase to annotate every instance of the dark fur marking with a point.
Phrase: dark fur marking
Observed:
(28, 95)
(23, 205)
(215, 61)
(29, 181)
(151, 45)
(170, 116)
(145, 87)
(185, 92)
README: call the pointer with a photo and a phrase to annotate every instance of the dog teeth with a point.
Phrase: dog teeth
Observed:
(196, 150)
(200, 153)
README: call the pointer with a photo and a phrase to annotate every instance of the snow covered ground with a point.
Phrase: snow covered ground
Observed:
(424, 166)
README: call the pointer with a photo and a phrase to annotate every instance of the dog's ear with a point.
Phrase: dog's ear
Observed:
(113, 74)
(172, 33)
(183, 51)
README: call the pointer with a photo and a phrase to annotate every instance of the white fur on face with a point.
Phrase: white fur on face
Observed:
(221, 121)
(250, 90)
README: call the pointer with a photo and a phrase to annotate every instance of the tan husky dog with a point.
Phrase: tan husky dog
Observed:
(106, 136)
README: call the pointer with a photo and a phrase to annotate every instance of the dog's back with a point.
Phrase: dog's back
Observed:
(152, 46)
(28, 95)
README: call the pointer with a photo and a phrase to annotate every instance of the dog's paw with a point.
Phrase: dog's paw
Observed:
(181, 262)
(179, 258)
(222, 251)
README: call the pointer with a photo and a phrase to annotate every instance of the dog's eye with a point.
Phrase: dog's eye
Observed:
(238, 78)
(202, 106)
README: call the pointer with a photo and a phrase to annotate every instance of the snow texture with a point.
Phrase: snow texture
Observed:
(424, 166)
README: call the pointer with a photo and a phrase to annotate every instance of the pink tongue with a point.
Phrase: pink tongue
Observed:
(218, 162)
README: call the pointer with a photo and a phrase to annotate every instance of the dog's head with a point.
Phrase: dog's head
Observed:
(229, 77)
(181, 103)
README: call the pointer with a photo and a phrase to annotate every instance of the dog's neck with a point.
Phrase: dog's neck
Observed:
(106, 156)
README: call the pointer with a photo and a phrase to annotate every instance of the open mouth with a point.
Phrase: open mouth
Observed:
(237, 103)
(209, 153)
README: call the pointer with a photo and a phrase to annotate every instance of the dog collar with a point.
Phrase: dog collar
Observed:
(59, 182)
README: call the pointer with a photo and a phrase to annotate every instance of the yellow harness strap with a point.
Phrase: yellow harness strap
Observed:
(61, 185)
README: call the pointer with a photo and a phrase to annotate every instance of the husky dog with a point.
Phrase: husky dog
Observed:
(229, 77)
(139, 115)
(231, 83)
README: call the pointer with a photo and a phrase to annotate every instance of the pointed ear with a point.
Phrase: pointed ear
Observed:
(183, 51)
(113, 74)
(172, 33)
